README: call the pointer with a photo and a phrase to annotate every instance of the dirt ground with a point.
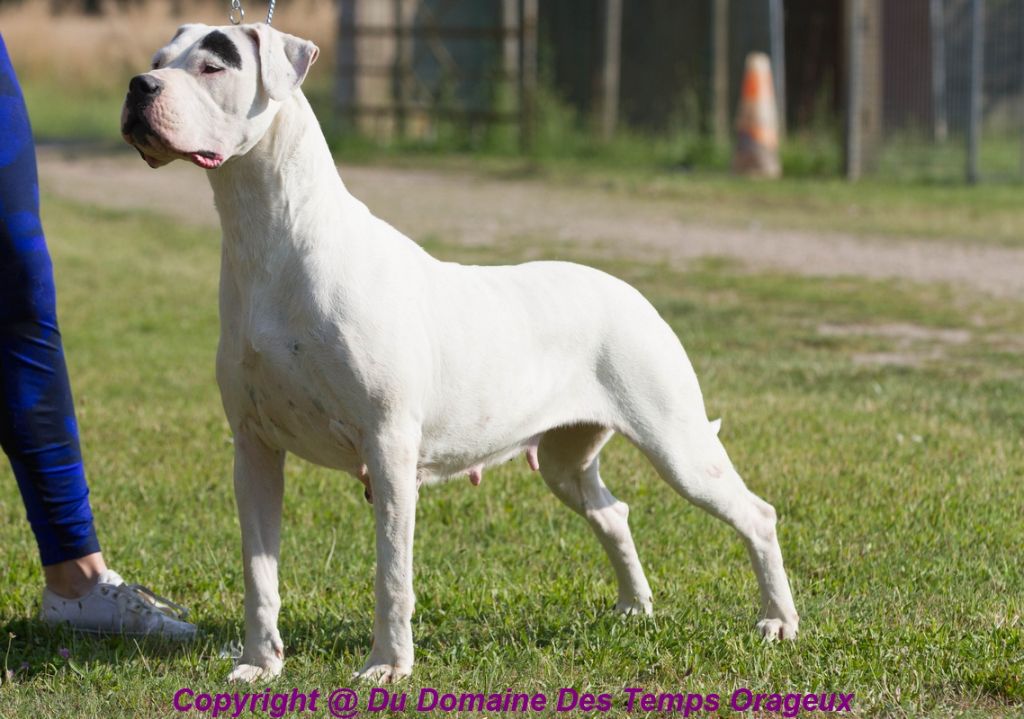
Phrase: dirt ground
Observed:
(475, 209)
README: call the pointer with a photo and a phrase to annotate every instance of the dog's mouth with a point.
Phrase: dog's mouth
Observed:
(206, 159)
(156, 151)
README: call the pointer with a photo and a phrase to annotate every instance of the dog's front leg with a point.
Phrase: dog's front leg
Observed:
(259, 488)
(391, 461)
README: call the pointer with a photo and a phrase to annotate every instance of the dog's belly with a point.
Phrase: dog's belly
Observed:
(445, 460)
(307, 427)
(507, 419)
(293, 412)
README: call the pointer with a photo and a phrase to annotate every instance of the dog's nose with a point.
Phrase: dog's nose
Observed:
(145, 86)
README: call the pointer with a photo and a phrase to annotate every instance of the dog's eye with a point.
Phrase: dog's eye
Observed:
(211, 69)
(155, 66)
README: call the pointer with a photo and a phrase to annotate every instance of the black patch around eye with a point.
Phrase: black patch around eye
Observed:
(220, 45)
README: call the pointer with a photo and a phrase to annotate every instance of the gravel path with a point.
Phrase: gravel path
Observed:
(480, 210)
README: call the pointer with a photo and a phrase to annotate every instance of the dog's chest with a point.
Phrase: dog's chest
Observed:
(286, 395)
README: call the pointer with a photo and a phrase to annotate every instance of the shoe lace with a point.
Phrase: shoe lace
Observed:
(150, 600)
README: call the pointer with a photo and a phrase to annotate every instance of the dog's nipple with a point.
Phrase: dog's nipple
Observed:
(531, 453)
(476, 475)
(531, 458)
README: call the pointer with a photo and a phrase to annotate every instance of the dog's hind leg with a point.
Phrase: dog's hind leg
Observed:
(569, 464)
(695, 464)
(259, 490)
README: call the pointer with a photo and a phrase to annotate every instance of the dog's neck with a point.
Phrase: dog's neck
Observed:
(271, 199)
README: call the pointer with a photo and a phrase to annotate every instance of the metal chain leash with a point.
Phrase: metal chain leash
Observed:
(236, 15)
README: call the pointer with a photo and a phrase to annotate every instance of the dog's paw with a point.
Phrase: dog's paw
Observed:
(382, 673)
(259, 666)
(635, 606)
(250, 673)
(773, 629)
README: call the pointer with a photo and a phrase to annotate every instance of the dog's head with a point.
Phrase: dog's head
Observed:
(213, 92)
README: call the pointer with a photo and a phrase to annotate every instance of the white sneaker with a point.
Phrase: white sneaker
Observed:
(113, 607)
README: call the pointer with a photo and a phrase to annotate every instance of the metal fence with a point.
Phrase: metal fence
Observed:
(922, 89)
(936, 88)
(918, 89)
(404, 65)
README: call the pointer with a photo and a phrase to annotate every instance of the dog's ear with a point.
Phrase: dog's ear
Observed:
(284, 60)
(716, 425)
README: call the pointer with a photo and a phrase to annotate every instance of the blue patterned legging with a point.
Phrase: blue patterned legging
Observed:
(37, 417)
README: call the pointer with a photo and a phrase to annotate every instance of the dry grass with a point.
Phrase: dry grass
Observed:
(97, 53)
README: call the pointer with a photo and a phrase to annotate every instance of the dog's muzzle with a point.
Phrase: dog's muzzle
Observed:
(142, 90)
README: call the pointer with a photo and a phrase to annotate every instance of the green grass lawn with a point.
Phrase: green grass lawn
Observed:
(891, 448)
(67, 113)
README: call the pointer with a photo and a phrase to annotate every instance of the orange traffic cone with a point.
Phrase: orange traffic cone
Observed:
(757, 122)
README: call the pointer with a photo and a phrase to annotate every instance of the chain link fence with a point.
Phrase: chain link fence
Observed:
(928, 90)
(937, 89)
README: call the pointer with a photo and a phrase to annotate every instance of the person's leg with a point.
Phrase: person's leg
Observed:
(37, 418)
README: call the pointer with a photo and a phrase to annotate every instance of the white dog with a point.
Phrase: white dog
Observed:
(344, 342)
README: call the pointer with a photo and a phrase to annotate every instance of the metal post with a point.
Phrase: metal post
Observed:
(398, 69)
(510, 44)
(528, 75)
(976, 90)
(345, 85)
(611, 68)
(854, 88)
(940, 124)
(777, 21)
(720, 70)
(1020, 22)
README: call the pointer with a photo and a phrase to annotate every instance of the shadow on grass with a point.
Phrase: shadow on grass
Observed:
(34, 647)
